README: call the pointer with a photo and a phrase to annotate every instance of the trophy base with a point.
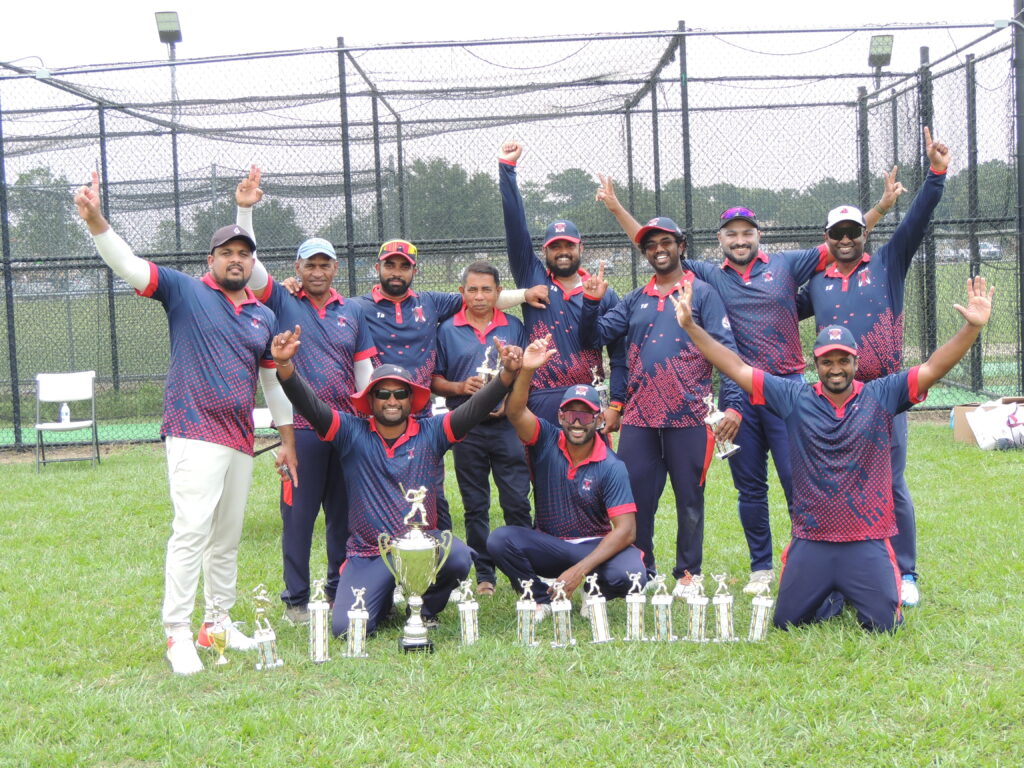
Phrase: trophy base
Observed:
(415, 645)
(731, 452)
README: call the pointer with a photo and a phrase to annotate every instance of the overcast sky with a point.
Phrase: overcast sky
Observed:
(60, 33)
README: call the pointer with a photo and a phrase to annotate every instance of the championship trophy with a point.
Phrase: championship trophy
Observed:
(726, 448)
(485, 372)
(526, 615)
(661, 602)
(636, 602)
(722, 601)
(266, 640)
(599, 384)
(561, 617)
(759, 616)
(319, 624)
(698, 605)
(598, 607)
(357, 618)
(469, 612)
(415, 560)
(218, 632)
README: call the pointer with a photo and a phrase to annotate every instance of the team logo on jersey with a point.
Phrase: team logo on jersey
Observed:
(768, 277)
(255, 322)
(864, 278)
(725, 324)
(586, 483)
(341, 322)
(417, 312)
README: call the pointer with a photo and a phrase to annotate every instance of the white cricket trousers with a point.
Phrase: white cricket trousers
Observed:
(209, 486)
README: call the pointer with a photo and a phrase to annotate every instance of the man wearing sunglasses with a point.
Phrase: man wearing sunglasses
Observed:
(385, 454)
(759, 291)
(585, 518)
(865, 293)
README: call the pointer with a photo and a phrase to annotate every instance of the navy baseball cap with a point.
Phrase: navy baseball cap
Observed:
(659, 224)
(388, 372)
(835, 337)
(561, 230)
(313, 246)
(739, 213)
(398, 248)
(583, 393)
(229, 233)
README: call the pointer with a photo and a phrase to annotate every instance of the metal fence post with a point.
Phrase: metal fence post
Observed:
(115, 368)
(12, 346)
(656, 146)
(631, 191)
(863, 150)
(929, 329)
(684, 101)
(346, 170)
(1018, 88)
(376, 169)
(977, 378)
(403, 217)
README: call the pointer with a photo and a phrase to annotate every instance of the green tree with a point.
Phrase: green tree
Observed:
(274, 223)
(45, 223)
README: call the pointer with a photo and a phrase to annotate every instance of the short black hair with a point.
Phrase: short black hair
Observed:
(481, 268)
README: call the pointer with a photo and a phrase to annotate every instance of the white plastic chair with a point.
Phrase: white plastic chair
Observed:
(65, 388)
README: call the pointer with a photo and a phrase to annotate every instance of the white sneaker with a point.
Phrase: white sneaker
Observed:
(181, 653)
(542, 612)
(398, 596)
(760, 582)
(910, 595)
(684, 588)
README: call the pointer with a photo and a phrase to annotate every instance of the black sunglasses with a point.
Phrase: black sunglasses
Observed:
(386, 394)
(852, 231)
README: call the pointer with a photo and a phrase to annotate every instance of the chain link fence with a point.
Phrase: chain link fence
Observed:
(362, 144)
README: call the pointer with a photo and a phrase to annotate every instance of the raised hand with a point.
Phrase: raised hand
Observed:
(248, 191)
(684, 304)
(510, 355)
(537, 353)
(292, 285)
(87, 200)
(285, 345)
(606, 193)
(893, 189)
(979, 302)
(938, 153)
(596, 286)
(511, 151)
(537, 296)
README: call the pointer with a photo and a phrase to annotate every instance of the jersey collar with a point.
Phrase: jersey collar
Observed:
(498, 320)
(831, 271)
(250, 297)
(599, 452)
(378, 295)
(412, 428)
(578, 289)
(651, 289)
(841, 408)
(334, 296)
(745, 274)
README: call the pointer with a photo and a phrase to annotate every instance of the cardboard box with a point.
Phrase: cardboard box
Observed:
(962, 431)
(994, 432)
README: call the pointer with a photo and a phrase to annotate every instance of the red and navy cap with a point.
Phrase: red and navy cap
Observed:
(561, 230)
(398, 248)
(738, 213)
(582, 393)
(420, 395)
(835, 337)
(659, 224)
(229, 233)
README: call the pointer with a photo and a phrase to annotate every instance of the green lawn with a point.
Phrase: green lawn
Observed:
(84, 681)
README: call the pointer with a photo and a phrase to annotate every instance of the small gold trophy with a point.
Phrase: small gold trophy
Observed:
(698, 605)
(218, 632)
(485, 372)
(561, 617)
(358, 617)
(266, 639)
(661, 602)
(759, 617)
(636, 604)
(723, 603)
(469, 611)
(599, 384)
(726, 448)
(526, 615)
(319, 624)
(598, 607)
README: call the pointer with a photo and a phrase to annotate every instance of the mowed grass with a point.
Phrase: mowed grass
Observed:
(83, 680)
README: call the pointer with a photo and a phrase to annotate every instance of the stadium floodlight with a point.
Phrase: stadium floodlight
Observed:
(168, 27)
(880, 51)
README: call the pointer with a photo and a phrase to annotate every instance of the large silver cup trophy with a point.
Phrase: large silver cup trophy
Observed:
(726, 448)
(415, 559)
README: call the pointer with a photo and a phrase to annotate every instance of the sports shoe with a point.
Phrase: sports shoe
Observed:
(542, 612)
(685, 587)
(296, 615)
(430, 622)
(760, 582)
(237, 640)
(181, 653)
(910, 595)
(485, 588)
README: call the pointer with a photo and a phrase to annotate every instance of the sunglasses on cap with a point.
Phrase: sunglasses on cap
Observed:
(839, 231)
(584, 418)
(741, 212)
(386, 394)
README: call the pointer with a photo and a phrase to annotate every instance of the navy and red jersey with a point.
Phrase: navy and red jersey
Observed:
(576, 501)
(574, 363)
(869, 301)
(761, 302)
(461, 347)
(375, 473)
(217, 349)
(841, 455)
(334, 336)
(404, 331)
(668, 376)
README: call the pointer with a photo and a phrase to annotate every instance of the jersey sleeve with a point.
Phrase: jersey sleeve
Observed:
(908, 235)
(597, 328)
(165, 285)
(617, 492)
(898, 391)
(778, 394)
(443, 340)
(365, 346)
(702, 269)
(616, 353)
(445, 304)
(804, 305)
(526, 268)
(803, 264)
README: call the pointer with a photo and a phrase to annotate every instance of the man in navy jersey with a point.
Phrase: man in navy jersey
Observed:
(759, 292)
(464, 342)
(865, 293)
(389, 452)
(561, 273)
(840, 430)
(663, 430)
(335, 359)
(585, 516)
(220, 344)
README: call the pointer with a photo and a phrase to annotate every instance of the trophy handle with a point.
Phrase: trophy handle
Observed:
(384, 545)
(446, 549)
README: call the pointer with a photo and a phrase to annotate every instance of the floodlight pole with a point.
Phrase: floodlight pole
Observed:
(172, 57)
(1018, 87)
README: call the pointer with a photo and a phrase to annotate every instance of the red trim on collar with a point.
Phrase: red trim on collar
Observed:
(651, 289)
(250, 297)
(578, 289)
(831, 271)
(599, 452)
(745, 274)
(840, 409)
(412, 428)
(378, 295)
(498, 320)
(321, 311)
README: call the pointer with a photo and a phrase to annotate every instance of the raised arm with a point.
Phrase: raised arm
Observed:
(485, 400)
(526, 268)
(114, 251)
(976, 315)
(716, 353)
(247, 194)
(534, 356)
(890, 194)
(606, 194)
(313, 409)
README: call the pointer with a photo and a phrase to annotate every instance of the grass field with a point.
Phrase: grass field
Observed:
(84, 682)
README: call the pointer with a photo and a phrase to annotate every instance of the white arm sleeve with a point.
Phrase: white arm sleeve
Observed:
(509, 298)
(277, 401)
(259, 278)
(119, 257)
(362, 370)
